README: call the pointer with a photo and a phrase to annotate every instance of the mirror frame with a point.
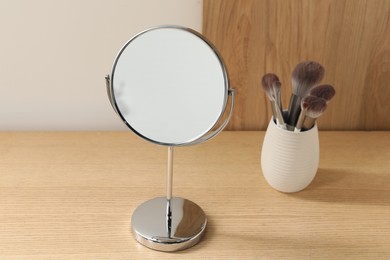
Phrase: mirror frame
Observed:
(228, 91)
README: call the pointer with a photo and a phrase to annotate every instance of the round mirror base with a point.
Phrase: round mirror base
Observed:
(168, 225)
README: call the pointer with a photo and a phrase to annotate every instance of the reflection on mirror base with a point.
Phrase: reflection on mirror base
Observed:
(168, 225)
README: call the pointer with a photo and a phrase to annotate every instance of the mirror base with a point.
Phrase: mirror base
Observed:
(153, 228)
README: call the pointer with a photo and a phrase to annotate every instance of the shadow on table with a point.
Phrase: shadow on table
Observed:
(347, 186)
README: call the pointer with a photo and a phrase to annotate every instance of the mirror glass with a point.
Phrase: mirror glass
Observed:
(169, 85)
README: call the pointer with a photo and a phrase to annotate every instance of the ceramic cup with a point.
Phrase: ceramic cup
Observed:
(289, 159)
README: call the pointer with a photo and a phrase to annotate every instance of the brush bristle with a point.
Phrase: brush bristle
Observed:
(277, 88)
(277, 85)
(304, 105)
(315, 106)
(269, 82)
(305, 76)
(325, 91)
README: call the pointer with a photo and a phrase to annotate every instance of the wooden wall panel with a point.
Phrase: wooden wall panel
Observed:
(351, 38)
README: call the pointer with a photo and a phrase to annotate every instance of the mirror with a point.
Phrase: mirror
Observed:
(170, 86)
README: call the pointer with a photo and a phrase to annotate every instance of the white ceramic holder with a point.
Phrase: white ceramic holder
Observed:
(289, 159)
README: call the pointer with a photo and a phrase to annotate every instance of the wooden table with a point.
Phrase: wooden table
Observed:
(71, 195)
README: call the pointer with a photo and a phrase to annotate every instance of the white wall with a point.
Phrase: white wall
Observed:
(54, 55)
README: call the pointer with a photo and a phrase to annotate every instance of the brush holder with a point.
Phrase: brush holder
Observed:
(289, 160)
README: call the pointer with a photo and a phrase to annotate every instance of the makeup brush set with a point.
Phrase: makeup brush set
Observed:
(308, 100)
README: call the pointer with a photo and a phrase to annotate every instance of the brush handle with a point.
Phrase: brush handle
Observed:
(308, 123)
(294, 109)
(300, 121)
(278, 115)
(273, 109)
(279, 100)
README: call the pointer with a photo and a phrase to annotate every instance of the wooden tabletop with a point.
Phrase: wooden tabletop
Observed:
(70, 195)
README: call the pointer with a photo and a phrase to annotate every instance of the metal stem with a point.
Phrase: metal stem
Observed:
(169, 191)
(170, 172)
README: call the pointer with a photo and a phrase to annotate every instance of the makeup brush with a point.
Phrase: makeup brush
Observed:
(268, 82)
(301, 118)
(324, 91)
(311, 107)
(271, 86)
(278, 94)
(314, 110)
(304, 77)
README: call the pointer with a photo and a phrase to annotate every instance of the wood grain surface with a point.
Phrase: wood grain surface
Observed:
(350, 38)
(71, 196)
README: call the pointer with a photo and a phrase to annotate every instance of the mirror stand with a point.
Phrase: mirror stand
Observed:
(168, 223)
(170, 86)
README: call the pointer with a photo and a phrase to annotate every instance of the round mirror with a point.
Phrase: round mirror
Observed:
(169, 85)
